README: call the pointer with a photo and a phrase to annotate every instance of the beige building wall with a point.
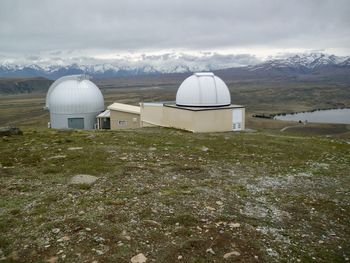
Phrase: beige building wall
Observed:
(196, 121)
(177, 118)
(214, 121)
(124, 120)
(151, 115)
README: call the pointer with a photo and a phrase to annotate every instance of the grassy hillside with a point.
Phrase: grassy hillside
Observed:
(174, 196)
(265, 196)
(10, 86)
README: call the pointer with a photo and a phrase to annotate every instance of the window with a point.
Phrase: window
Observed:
(134, 119)
(122, 122)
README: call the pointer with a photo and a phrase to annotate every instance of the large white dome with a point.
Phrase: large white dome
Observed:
(203, 90)
(74, 94)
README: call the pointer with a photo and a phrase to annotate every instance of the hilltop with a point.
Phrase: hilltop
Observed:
(174, 196)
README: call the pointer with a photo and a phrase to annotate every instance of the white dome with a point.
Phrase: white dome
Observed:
(203, 90)
(73, 95)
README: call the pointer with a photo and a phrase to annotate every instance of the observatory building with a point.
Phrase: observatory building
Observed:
(203, 104)
(74, 102)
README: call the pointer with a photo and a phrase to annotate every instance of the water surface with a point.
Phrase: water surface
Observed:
(320, 116)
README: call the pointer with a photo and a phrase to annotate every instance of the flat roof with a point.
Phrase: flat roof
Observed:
(231, 106)
(124, 108)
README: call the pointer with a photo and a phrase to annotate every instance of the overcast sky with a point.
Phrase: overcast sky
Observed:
(106, 28)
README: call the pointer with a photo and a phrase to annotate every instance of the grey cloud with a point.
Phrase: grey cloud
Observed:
(32, 26)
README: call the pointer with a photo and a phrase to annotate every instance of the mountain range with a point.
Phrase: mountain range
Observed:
(311, 64)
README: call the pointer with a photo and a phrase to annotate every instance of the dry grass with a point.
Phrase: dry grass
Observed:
(269, 196)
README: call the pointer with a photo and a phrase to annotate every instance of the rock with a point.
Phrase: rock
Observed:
(125, 235)
(9, 131)
(139, 258)
(74, 148)
(57, 157)
(152, 149)
(99, 252)
(56, 230)
(210, 208)
(210, 250)
(204, 149)
(219, 203)
(234, 225)
(88, 229)
(230, 254)
(179, 257)
(83, 179)
(52, 260)
(152, 223)
(99, 239)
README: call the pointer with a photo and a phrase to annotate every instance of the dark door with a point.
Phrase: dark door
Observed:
(106, 123)
(76, 123)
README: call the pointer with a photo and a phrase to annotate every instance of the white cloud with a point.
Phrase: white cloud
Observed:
(101, 28)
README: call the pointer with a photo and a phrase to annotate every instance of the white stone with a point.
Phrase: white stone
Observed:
(83, 179)
(139, 258)
(210, 250)
(56, 230)
(234, 225)
(204, 149)
(74, 148)
(230, 254)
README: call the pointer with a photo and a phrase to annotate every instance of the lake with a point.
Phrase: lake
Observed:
(320, 116)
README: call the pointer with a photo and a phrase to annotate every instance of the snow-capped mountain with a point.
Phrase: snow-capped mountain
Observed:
(175, 63)
(303, 62)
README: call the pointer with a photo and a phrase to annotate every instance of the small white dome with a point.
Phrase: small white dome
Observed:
(203, 90)
(73, 95)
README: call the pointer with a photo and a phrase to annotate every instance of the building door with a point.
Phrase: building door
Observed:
(237, 118)
(106, 123)
(76, 123)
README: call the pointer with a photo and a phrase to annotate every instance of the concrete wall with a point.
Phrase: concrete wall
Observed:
(132, 120)
(60, 121)
(152, 115)
(199, 121)
(180, 119)
(213, 121)
(196, 121)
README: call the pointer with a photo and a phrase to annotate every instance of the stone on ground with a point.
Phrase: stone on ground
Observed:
(139, 258)
(74, 148)
(230, 254)
(83, 179)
